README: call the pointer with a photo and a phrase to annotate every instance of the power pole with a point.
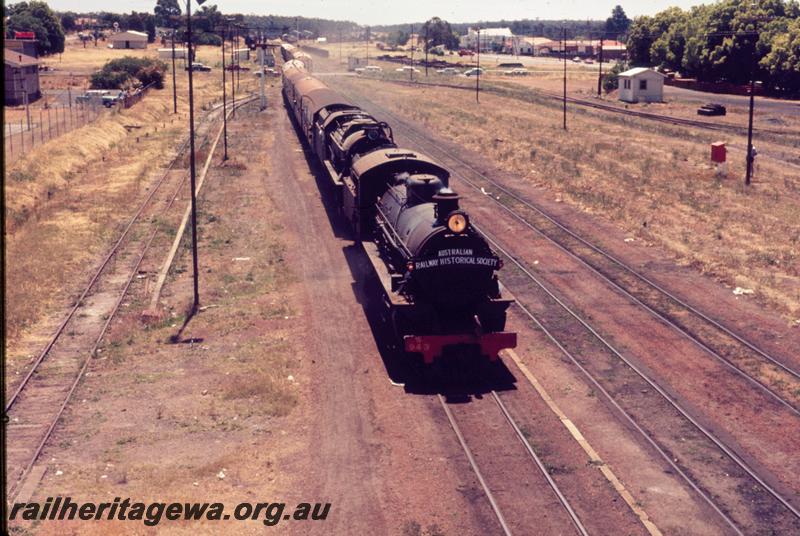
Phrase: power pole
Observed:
(564, 35)
(174, 88)
(233, 86)
(478, 72)
(224, 103)
(600, 70)
(263, 76)
(340, 46)
(366, 44)
(750, 155)
(192, 175)
(413, 46)
(426, 49)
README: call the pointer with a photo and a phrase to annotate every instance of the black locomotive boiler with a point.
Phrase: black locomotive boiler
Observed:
(437, 272)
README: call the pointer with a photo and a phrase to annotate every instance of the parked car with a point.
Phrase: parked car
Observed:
(359, 70)
(95, 95)
(406, 68)
(466, 52)
(196, 66)
(268, 71)
(447, 70)
(475, 71)
(712, 108)
(113, 98)
(576, 59)
(589, 61)
(516, 72)
(373, 69)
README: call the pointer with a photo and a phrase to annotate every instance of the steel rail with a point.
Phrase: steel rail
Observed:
(607, 107)
(627, 268)
(703, 430)
(495, 508)
(114, 249)
(79, 376)
(561, 498)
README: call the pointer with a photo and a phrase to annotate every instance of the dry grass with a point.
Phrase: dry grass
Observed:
(67, 199)
(653, 181)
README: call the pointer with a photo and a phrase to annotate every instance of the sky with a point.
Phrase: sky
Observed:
(400, 11)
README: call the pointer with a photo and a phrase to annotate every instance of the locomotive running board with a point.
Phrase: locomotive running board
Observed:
(385, 278)
(332, 172)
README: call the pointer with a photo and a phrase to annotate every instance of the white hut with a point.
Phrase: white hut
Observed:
(129, 39)
(641, 84)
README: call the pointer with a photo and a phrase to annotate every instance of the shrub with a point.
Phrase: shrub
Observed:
(128, 71)
(205, 38)
(610, 78)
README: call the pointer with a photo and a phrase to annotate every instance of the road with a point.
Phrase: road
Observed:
(761, 103)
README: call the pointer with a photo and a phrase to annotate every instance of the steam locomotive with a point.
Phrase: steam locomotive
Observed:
(437, 272)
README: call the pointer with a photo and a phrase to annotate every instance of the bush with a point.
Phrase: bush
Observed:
(205, 38)
(610, 79)
(129, 71)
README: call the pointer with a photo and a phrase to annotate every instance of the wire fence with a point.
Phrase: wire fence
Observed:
(40, 125)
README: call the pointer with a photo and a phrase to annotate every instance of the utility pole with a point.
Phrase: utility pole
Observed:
(233, 86)
(192, 169)
(750, 155)
(366, 44)
(413, 46)
(426, 49)
(263, 76)
(478, 72)
(600, 70)
(564, 36)
(224, 103)
(340, 46)
(174, 88)
(238, 59)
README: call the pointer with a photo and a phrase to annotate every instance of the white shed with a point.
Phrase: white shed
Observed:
(641, 84)
(129, 39)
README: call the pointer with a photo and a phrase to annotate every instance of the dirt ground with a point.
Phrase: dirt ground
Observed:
(279, 390)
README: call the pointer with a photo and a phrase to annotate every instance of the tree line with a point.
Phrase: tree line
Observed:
(727, 41)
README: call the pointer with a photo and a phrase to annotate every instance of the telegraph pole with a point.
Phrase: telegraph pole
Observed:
(224, 102)
(174, 88)
(564, 35)
(233, 85)
(750, 155)
(413, 46)
(192, 169)
(366, 44)
(263, 76)
(478, 73)
(600, 70)
(426, 49)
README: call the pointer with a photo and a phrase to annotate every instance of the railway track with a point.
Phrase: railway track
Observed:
(680, 121)
(741, 356)
(40, 398)
(503, 451)
(624, 396)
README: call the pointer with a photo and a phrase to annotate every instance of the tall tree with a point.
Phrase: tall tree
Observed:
(618, 22)
(439, 32)
(37, 17)
(167, 13)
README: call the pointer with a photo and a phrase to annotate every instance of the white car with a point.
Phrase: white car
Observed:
(406, 68)
(516, 72)
(447, 70)
(475, 71)
(372, 69)
(576, 59)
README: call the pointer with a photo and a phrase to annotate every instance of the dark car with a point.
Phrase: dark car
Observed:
(712, 109)
(199, 67)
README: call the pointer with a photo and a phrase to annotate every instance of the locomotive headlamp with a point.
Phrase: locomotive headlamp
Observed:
(457, 222)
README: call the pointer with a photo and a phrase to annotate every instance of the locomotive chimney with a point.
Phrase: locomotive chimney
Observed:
(446, 202)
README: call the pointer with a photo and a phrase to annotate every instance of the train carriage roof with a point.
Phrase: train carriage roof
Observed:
(324, 97)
